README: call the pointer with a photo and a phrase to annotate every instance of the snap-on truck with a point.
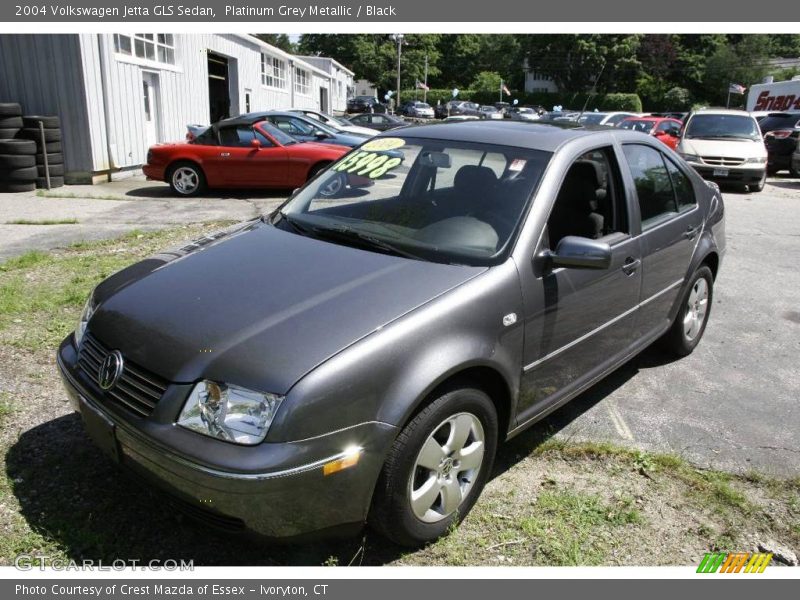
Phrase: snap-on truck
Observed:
(776, 96)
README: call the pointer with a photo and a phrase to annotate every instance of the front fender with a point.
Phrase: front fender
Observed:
(385, 376)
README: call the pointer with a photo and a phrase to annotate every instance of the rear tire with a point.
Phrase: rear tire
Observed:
(436, 468)
(695, 307)
(186, 179)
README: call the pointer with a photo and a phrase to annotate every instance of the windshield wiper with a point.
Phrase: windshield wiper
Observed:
(298, 227)
(351, 235)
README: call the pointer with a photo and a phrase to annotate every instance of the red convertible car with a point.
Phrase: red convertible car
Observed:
(665, 130)
(242, 152)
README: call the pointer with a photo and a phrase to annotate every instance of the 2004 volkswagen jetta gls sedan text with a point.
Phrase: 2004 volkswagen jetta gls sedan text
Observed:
(357, 355)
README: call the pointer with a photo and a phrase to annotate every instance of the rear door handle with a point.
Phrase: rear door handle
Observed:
(691, 232)
(630, 265)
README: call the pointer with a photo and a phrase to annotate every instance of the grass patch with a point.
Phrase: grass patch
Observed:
(73, 196)
(41, 294)
(71, 221)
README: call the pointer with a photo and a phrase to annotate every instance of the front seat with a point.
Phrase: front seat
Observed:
(474, 186)
(573, 212)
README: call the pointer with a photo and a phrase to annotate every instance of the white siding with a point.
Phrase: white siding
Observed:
(183, 93)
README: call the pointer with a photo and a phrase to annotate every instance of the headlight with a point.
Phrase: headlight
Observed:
(228, 412)
(760, 160)
(691, 158)
(88, 311)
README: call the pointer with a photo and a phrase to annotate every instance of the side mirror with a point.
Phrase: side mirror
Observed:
(255, 144)
(575, 252)
(321, 135)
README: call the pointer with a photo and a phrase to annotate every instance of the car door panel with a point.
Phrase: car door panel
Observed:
(667, 250)
(579, 321)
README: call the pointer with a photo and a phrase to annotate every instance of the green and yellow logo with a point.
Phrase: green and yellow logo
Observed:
(734, 562)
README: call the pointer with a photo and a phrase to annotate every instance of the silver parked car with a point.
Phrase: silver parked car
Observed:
(357, 356)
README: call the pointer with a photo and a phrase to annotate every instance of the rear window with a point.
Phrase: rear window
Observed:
(786, 121)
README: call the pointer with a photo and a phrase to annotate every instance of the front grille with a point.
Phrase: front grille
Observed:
(137, 390)
(723, 161)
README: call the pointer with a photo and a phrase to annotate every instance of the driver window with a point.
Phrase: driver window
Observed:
(590, 202)
(238, 137)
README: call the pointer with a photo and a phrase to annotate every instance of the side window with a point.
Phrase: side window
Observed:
(684, 191)
(590, 202)
(653, 184)
(664, 126)
(377, 119)
(241, 136)
(207, 138)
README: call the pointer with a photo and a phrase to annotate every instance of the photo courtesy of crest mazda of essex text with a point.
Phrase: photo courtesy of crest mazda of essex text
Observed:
(399, 299)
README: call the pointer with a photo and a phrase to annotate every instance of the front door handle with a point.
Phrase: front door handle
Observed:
(691, 232)
(630, 265)
(225, 154)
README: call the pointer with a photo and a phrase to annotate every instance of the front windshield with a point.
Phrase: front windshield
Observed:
(637, 125)
(434, 200)
(592, 118)
(722, 126)
(284, 139)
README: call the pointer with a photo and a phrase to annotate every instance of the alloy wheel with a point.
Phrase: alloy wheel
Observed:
(696, 309)
(185, 180)
(446, 468)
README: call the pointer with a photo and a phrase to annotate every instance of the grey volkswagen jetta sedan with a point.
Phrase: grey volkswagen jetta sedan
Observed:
(357, 355)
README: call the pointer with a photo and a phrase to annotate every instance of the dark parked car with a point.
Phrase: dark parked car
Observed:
(361, 104)
(308, 129)
(781, 132)
(377, 121)
(457, 108)
(359, 357)
(417, 109)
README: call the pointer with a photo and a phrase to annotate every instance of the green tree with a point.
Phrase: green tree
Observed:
(486, 81)
(279, 40)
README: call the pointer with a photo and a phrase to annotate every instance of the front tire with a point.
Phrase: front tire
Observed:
(436, 468)
(758, 187)
(690, 322)
(186, 179)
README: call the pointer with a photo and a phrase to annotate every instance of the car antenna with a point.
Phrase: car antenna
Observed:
(592, 93)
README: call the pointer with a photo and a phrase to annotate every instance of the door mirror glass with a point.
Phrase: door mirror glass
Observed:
(574, 252)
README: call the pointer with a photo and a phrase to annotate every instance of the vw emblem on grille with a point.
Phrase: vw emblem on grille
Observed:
(110, 370)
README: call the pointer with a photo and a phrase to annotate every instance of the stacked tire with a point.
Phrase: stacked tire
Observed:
(18, 172)
(52, 147)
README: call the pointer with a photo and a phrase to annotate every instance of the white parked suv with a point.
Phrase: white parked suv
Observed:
(725, 146)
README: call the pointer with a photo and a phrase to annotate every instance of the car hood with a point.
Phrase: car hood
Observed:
(734, 148)
(257, 306)
(358, 130)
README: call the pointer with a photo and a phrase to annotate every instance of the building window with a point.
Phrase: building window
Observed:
(273, 71)
(302, 82)
(156, 47)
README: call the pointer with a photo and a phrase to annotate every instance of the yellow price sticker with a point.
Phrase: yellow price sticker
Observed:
(383, 144)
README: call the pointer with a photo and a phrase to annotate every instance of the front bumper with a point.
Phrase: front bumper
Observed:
(746, 175)
(154, 172)
(286, 496)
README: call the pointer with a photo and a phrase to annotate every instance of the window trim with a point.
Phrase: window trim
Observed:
(667, 217)
(264, 75)
(298, 87)
(133, 59)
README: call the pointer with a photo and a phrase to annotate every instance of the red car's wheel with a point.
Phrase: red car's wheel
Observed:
(186, 179)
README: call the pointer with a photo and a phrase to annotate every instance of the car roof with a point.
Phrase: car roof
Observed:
(722, 111)
(535, 136)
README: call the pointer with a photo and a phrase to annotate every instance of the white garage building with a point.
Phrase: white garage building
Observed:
(117, 94)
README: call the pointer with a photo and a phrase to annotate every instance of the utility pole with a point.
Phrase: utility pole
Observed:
(425, 89)
(501, 90)
(399, 38)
